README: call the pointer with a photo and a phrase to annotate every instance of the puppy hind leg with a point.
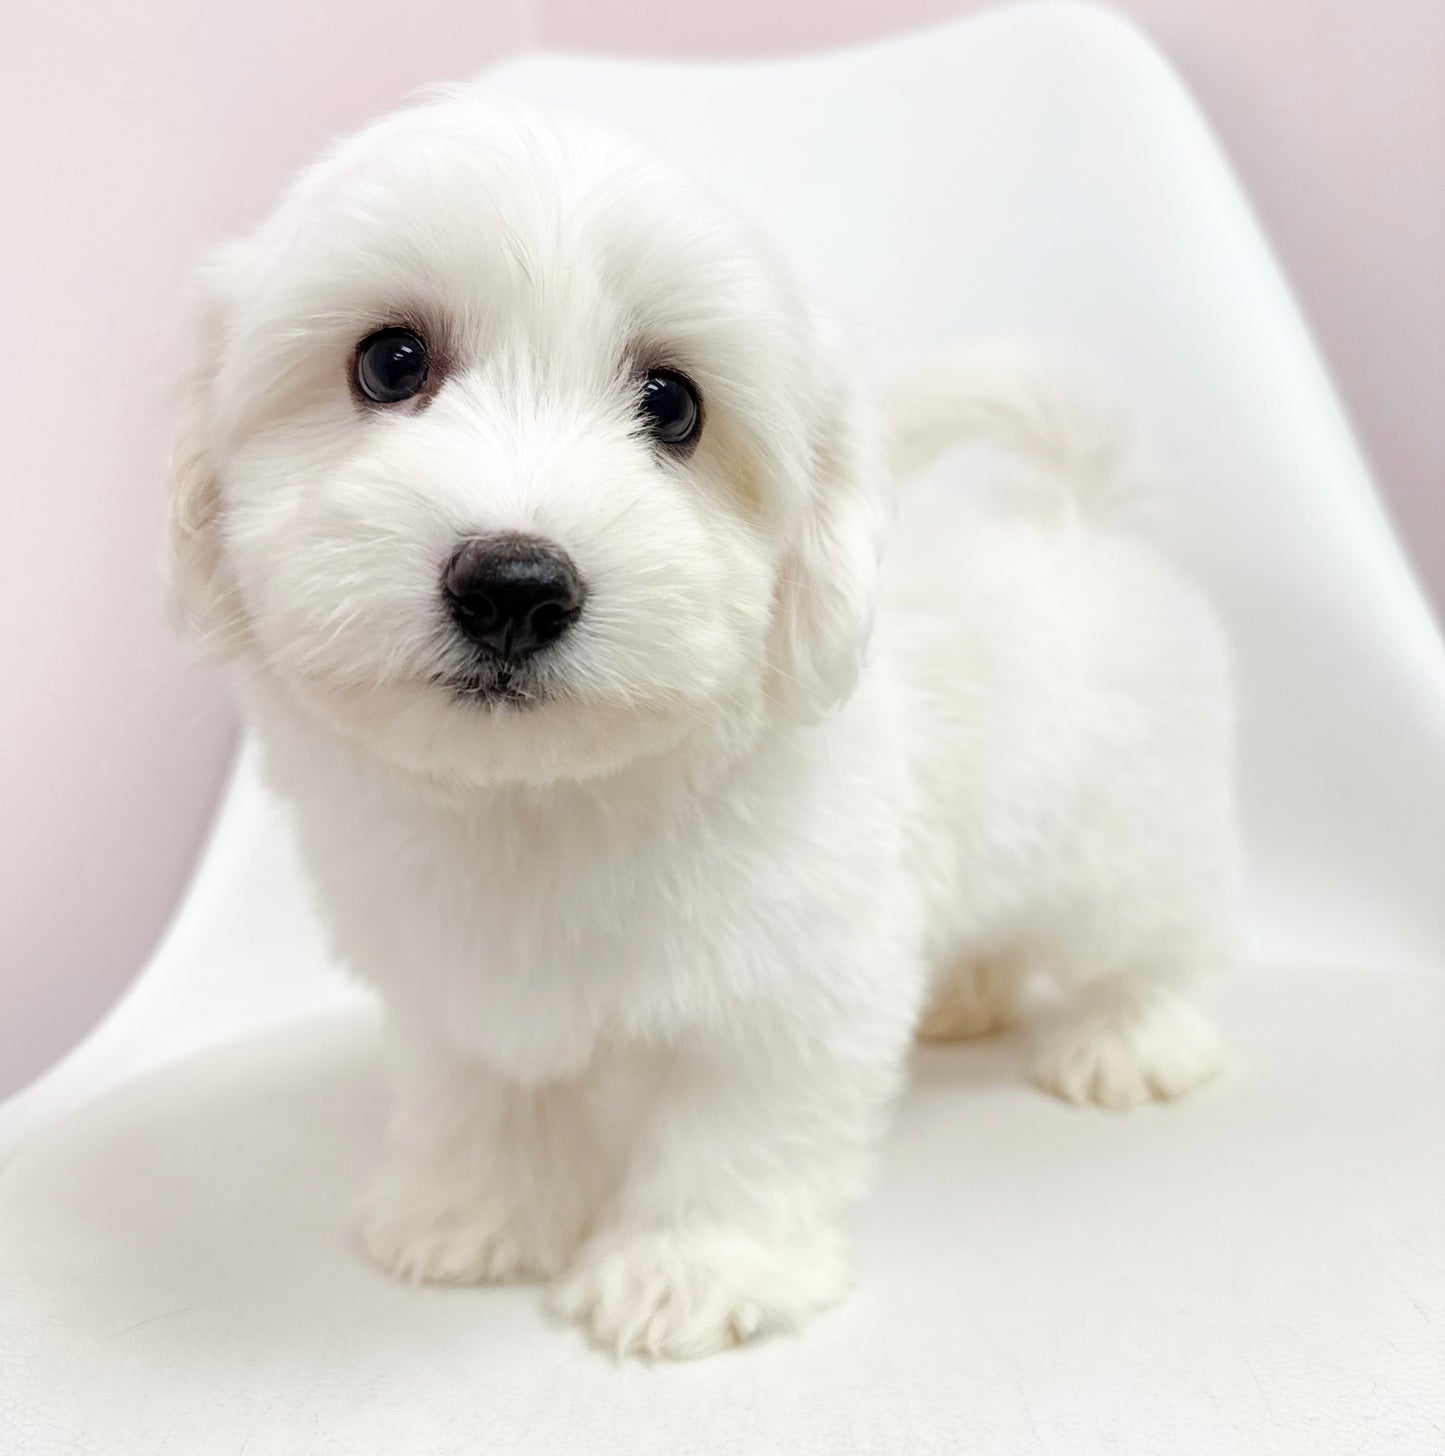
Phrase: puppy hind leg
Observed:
(974, 996)
(1123, 1039)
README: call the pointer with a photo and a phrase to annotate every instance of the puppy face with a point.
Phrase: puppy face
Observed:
(511, 456)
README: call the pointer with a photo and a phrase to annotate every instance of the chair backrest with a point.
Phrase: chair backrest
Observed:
(1038, 169)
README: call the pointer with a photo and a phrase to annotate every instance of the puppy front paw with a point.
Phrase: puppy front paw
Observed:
(434, 1234)
(1123, 1054)
(682, 1294)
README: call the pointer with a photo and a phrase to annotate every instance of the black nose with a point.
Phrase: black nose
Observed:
(512, 594)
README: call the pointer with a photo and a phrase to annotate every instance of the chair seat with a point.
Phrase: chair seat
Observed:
(1257, 1269)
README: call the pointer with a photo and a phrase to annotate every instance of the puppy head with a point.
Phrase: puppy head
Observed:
(510, 455)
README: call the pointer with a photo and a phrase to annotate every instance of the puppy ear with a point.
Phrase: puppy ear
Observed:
(200, 590)
(828, 582)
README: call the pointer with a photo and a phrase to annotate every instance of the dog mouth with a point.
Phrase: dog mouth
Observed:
(499, 686)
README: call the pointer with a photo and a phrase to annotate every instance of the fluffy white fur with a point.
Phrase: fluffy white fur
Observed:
(655, 947)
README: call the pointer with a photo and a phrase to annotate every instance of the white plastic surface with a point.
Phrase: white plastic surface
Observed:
(1255, 1271)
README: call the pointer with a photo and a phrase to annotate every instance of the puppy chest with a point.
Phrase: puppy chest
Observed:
(549, 942)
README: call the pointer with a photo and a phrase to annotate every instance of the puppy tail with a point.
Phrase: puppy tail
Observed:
(1059, 415)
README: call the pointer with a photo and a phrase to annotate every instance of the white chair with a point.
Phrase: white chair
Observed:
(1257, 1270)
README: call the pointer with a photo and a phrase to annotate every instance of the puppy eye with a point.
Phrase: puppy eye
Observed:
(391, 365)
(671, 407)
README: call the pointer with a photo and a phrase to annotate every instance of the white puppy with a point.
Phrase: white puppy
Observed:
(543, 517)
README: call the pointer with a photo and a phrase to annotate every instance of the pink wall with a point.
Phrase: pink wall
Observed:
(145, 133)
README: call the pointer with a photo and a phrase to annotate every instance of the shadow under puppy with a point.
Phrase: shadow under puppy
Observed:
(542, 516)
